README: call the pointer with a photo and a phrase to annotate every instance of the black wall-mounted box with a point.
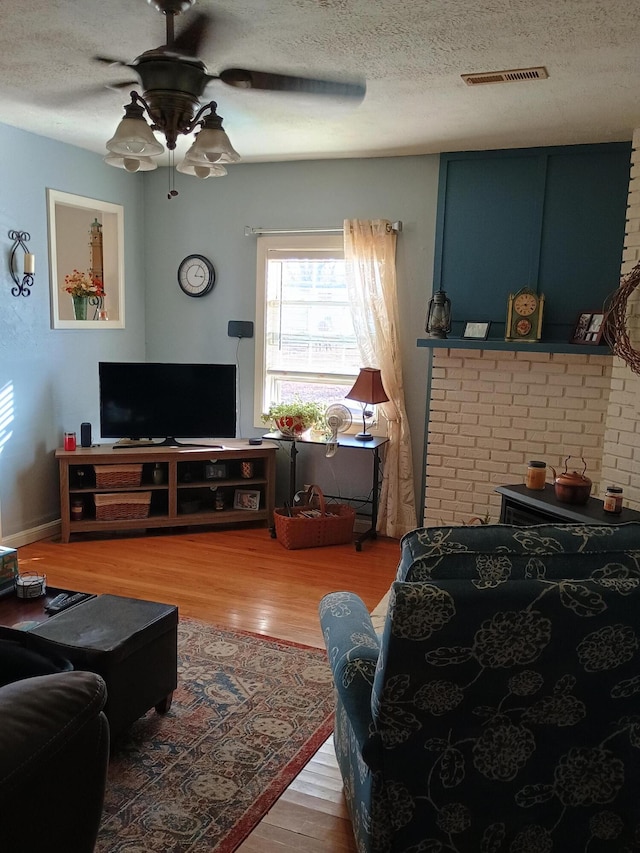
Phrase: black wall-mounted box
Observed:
(240, 329)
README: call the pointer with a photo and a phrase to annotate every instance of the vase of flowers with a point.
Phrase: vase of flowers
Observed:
(83, 288)
(79, 307)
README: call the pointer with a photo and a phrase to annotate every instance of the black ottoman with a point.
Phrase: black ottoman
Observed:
(132, 644)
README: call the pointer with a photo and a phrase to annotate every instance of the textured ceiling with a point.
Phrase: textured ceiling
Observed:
(412, 53)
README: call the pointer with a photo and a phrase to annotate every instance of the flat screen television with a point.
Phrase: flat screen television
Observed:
(165, 401)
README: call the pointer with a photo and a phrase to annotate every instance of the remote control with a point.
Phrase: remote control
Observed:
(55, 603)
(68, 601)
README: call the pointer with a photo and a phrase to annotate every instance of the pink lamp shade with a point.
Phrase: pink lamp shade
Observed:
(367, 389)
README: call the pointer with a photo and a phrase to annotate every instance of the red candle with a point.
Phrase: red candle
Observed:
(69, 441)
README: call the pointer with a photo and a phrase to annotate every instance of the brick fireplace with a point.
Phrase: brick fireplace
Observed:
(490, 411)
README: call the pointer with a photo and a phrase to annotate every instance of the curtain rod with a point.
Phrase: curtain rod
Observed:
(252, 232)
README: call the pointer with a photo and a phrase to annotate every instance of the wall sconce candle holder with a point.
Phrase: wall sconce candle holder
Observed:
(22, 287)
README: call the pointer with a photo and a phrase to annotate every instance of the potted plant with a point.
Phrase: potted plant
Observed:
(295, 417)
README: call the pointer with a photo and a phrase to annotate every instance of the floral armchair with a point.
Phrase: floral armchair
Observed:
(499, 712)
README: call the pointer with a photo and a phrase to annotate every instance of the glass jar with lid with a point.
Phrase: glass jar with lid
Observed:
(536, 475)
(613, 499)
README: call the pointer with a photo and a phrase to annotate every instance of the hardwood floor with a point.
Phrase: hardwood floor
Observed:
(243, 579)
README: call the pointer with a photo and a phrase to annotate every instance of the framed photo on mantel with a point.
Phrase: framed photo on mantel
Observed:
(476, 331)
(588, 328)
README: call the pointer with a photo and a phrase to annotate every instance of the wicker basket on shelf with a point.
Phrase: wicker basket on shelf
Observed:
(117, 476)
(315, 524)
(122, 506)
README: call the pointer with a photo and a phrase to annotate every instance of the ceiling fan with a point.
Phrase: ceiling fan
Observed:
(173, 79)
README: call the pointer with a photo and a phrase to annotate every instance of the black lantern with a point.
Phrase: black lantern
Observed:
(439, 315)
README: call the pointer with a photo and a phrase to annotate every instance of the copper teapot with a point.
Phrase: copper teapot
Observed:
(572, 488)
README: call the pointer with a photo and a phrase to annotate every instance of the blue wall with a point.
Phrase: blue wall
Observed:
(51, 375)
(209, 218)
(48, 378)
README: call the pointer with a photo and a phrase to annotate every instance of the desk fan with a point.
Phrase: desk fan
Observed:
(338, 418)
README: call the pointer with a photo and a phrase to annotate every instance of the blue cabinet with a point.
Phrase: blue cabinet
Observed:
(547, 218)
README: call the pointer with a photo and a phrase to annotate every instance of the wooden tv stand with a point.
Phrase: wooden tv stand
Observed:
(187, 494)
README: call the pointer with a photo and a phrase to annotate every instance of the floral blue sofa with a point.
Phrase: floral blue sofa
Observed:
(499, 712)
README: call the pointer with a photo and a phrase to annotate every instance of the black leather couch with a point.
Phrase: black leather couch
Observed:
(54, 750)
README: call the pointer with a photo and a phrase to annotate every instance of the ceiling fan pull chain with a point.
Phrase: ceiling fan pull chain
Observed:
(173, 192)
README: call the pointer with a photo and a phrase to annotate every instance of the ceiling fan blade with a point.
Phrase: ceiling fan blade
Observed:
(107, 60)
(191, 38)
(243, 78)
(123, 85)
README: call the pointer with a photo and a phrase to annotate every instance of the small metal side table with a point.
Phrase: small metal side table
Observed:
(523, 506)
(347, 441)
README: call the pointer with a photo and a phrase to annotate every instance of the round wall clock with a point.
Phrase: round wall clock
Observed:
(196, 275)
(524, 316)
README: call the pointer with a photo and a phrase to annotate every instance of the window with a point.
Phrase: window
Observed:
(305, 341)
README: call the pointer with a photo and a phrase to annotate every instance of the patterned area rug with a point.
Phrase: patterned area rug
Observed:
(248, 714)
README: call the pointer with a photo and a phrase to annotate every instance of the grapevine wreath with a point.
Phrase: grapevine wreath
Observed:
(616, 330)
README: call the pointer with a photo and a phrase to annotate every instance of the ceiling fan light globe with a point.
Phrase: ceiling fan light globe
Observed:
(200, 170)
(228, 158)
(134, 136)
(213, 146)
(131, 164)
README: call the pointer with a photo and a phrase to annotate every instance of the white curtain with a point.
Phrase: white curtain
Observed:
(370, 254)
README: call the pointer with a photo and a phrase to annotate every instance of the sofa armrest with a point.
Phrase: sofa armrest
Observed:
(23, 655)
(54, 750)
(353, 648)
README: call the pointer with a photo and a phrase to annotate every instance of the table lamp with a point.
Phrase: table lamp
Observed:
(367, 389)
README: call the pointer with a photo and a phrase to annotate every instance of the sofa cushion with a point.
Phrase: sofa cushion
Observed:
(492, 554)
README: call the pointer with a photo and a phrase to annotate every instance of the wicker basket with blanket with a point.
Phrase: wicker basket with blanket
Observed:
(314, 524)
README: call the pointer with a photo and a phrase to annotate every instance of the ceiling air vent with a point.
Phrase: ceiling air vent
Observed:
(514, 75)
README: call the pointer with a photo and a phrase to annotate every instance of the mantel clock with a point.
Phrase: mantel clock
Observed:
(524, 316)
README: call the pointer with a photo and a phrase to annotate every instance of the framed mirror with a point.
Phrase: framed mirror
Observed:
(86, 262)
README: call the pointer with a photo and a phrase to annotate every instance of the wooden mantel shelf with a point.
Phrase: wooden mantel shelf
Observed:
(543, 346)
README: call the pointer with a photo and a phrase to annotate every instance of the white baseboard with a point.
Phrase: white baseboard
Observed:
(34, 534)
(52, 528)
